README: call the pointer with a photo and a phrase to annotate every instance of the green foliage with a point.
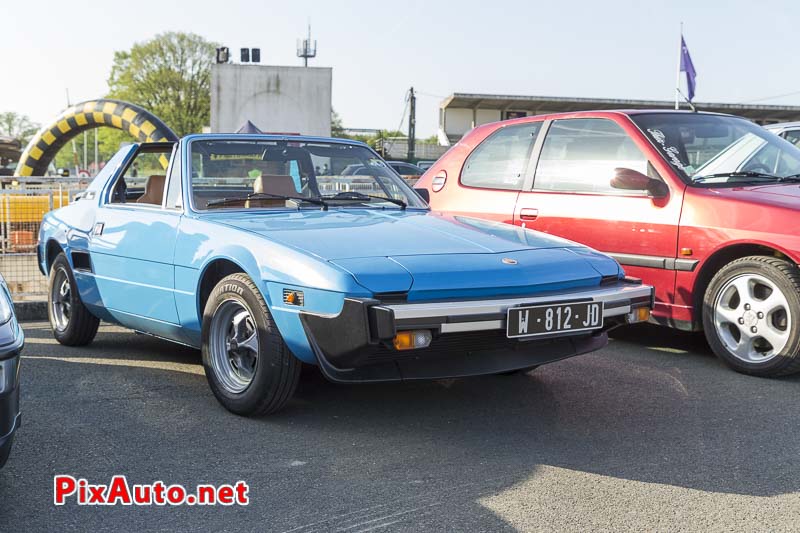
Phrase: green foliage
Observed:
(108, 142)
(170, 76)
(337, 130)
(18, 126)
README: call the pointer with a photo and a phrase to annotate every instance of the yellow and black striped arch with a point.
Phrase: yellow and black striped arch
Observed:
(140, 123)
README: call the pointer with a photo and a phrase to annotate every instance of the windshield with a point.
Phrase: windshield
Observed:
(293, 174)
(719, 150)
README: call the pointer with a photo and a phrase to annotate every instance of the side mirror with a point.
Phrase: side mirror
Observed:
(632, 180)
(425, 194)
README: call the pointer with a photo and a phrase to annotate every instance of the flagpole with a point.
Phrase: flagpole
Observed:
(678, 73)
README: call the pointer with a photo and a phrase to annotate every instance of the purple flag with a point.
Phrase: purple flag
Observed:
(688, 67)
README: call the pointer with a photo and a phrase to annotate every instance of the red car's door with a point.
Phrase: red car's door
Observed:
(572, 197)
(489, 182)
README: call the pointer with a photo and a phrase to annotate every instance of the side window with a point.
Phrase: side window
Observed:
(499, 162)
(793, 136)
(174, 197)
(580, 155)
(144, 178)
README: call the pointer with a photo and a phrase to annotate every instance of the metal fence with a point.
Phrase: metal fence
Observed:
(23, 204)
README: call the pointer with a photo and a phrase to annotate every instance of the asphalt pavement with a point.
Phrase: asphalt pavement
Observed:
(651, 433)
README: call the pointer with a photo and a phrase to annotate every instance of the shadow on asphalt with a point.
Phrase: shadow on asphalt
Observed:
(655, 406)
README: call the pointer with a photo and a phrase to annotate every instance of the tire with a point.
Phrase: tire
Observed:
(248, 366)
(71, 322)
(751, 316)
(5, 451)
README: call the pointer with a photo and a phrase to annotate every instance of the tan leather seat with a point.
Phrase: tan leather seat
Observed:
(272, 184)
(275, 184)
(153, 191)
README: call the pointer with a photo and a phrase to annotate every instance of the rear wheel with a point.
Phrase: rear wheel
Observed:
(248, 365)
(71, 322)
(751, 310)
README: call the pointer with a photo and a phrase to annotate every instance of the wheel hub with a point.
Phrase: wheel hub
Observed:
(752, 318)
(233, 342)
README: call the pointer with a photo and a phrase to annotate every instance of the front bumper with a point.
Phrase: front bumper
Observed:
(11, 342)
(469, 337)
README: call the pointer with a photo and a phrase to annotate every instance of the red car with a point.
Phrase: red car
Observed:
(702, 206)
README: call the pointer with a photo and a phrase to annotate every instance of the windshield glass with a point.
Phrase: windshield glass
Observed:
(281, 174)
(719, 150)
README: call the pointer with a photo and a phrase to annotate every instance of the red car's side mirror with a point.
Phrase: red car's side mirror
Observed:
(632, 180)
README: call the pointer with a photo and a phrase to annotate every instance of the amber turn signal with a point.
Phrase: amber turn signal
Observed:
(411, 340)
(293, 297)
(640, 314)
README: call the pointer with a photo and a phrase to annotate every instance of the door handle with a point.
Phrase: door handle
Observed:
(98, 228)
(528, 213)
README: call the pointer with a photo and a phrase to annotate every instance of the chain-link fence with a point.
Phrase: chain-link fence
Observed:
(23, 204)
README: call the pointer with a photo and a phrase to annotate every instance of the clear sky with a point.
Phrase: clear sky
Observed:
(742, 50)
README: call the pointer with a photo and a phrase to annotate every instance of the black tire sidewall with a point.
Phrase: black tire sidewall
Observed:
(755, 265)
(273, 356)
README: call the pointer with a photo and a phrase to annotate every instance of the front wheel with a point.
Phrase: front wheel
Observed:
(751, 311)
(248, 365)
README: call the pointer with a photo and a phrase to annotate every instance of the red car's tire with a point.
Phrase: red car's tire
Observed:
(751, 316)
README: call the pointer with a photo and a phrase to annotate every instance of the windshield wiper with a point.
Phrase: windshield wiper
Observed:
(739, 174)
(262, 195)
(757, 176)
(355, 195)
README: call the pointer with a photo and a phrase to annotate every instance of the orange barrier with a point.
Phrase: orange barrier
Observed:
(26, 208)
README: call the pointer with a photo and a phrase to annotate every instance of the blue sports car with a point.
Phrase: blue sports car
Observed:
(257, 250)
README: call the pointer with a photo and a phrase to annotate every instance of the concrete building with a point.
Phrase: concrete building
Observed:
(460, 112)
(275, 99)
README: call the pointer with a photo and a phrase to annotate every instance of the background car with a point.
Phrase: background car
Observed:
(425, 165)
(12, 340)
(787, 130)
(242, 250)
(407, 170)
(702, 206)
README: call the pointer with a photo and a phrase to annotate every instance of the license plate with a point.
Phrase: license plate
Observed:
(553, 318)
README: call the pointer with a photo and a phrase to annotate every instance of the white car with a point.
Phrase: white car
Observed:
(788, 130)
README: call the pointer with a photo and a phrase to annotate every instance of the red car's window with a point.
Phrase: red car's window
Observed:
(499, 162)
(580, 155)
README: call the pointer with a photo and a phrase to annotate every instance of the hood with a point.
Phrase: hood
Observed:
(785, 195)
(433, 256)
(347, 234)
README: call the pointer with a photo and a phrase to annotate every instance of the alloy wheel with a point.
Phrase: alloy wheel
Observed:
(752, 318)
(233, 345)
(61, 300)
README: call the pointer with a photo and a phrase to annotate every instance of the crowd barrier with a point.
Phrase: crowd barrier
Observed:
(23, 204)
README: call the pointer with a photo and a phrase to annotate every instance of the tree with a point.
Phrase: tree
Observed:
(17, 126)
(337, 130)
(109, 141)
(169, 75)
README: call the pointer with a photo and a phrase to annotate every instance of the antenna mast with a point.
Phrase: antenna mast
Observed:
(306, 48)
